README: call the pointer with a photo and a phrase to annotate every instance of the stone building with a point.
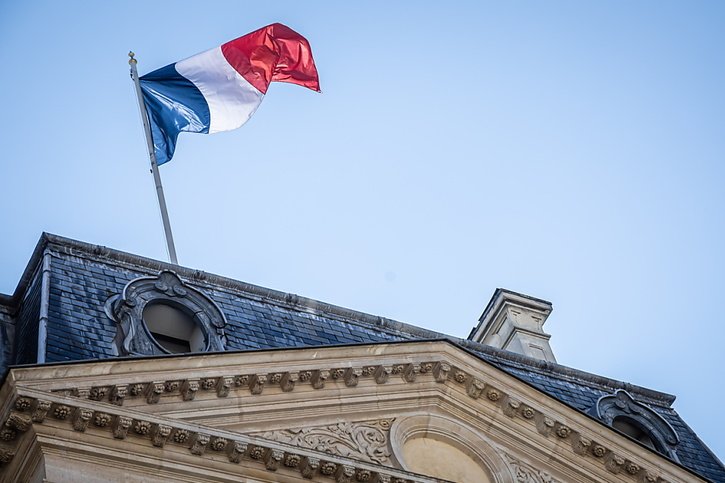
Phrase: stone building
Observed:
(122, 368)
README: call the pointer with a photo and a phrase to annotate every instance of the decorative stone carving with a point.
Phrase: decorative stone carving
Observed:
(171, 386)
(154, 391)
(97, 393)
(180, 436)
(199, 443)
(102, 419)
(40, 411)
(218, 444)
(267, 453)
(381, 374)
(118, 393)
(351, 376)
(622, 405)
(525, 473)
(236, 451)
(440, 371)
(6, 455)
(581, 445)
(256, 383)
(189, 389)
(136, 389)
(367, 441)
(292, 460)
(256, 453)
(305, 376)
(223, 385)
(364, 475)
(544, 424)
(61, 411)
(614, 463)
(142, 427)
(318, 378)
(474, 387)
(460, 377)
(22, 403)
(527, 412)
(493, 395)
(409, 371)
(510, 406)
(273, 458)
(18, 421)
(126, 309)
(345, 473)
(631, 468)
(120, 427)
(81, 419)
(327, 468)
(159, 434)
(598, 450)
(563, 431)
(310, 466)
(287, 383)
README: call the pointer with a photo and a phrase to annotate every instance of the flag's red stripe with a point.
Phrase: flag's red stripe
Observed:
(274, 53)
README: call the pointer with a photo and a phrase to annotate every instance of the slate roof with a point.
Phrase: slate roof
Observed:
(82, 277)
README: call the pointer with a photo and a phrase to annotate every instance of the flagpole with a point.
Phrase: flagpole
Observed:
(152, 157)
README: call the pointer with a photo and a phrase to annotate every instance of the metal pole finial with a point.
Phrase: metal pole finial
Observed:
(131, 59)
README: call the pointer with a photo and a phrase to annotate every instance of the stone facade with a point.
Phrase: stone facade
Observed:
(289, 389)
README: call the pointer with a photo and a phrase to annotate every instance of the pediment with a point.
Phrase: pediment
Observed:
(383, 412)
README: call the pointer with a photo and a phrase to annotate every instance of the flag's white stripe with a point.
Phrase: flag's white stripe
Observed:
(231, 99)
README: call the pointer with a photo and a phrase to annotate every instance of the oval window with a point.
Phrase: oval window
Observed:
(173, 329)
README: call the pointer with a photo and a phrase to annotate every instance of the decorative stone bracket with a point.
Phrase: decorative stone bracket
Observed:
(442, 372)
(36, 407)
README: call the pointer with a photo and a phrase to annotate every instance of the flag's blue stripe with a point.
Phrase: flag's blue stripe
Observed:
(174, 104)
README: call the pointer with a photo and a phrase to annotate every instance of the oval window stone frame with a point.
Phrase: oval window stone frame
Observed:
(133, 337)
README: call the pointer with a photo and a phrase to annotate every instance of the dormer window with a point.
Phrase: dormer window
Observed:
(163, 315)
(634, 430)
(638, 421)
(173, 328)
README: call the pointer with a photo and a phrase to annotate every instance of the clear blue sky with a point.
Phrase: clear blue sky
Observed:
(573, 151)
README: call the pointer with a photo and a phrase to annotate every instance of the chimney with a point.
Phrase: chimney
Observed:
(514, 322)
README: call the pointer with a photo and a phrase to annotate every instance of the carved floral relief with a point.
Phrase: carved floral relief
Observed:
(367, 440)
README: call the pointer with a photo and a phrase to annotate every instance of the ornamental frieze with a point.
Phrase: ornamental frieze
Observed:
(367, 441)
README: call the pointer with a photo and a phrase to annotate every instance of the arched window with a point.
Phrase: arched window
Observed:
(173, 328)
(638, 421)
(162, 315)
(634, 430)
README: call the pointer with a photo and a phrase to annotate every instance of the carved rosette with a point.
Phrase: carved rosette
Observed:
(367, 441)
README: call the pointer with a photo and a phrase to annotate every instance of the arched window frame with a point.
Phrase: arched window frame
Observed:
(622, 405)
(133, 337)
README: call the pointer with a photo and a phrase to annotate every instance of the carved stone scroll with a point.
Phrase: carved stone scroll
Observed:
(367, 441)
(525, 473)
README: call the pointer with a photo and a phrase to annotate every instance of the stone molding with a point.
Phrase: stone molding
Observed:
(580, 441)
(119, 423)
(367, 440)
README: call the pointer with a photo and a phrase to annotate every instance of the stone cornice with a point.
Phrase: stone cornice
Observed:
(36, 407)
(453, 371)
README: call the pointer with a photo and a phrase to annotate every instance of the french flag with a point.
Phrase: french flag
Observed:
(219, 90)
